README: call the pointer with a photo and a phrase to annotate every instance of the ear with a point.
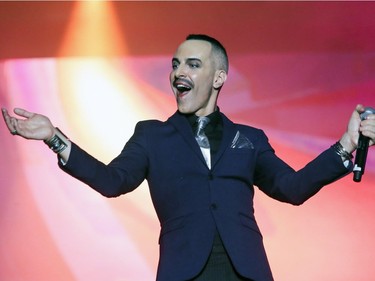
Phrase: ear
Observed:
(220, 77)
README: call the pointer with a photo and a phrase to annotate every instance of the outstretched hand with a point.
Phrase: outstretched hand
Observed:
(31, 126)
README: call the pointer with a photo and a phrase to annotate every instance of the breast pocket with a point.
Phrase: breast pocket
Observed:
(239, 163)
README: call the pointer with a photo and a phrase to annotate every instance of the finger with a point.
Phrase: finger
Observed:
(14, 122)
(11, 122)
(4, 113)
(370, 135)
(360, 108)
(368, 127)
(22, 112)
(7, 118)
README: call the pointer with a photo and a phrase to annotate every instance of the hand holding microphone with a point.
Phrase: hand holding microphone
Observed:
(362, 149)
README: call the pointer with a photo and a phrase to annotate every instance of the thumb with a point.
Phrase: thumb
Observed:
(23, 112)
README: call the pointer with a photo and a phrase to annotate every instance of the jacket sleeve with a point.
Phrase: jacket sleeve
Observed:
(278, 180)
(123, 174)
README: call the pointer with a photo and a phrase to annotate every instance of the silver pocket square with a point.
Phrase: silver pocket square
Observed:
(241, 141)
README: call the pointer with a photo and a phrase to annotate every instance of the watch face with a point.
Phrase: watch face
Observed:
(57, 144)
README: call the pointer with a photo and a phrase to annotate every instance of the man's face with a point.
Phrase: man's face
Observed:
(192, 78)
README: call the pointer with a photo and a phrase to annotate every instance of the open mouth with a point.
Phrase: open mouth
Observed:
(183, 88)
(182, 85)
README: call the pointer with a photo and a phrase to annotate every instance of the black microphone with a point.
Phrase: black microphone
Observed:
(362, 149)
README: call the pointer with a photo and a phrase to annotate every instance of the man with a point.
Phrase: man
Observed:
(202, 189)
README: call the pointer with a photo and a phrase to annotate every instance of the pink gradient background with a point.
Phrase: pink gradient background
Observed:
(297, 70)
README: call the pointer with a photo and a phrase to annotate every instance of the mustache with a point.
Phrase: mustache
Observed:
(182, 81)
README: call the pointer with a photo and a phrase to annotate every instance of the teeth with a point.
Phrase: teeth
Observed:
(183, 88)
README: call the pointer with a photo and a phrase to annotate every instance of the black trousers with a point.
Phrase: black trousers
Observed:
(219, 266)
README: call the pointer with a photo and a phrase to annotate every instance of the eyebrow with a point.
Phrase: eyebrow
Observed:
(187, 60)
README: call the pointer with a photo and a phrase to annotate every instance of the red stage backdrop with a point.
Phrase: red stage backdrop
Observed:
(297, 70)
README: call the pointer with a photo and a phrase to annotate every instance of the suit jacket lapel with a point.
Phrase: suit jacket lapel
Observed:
(183, 127)
(229, 132)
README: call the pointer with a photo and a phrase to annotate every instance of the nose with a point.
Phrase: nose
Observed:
(180, 71)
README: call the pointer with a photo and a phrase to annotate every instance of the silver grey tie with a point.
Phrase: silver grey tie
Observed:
(200, 135)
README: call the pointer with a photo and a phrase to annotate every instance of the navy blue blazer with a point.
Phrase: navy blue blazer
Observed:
(192, 201)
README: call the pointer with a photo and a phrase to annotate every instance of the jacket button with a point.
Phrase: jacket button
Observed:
(210, 176)
(213, 206)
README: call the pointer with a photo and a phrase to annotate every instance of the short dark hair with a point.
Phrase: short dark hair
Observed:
(217, 48)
